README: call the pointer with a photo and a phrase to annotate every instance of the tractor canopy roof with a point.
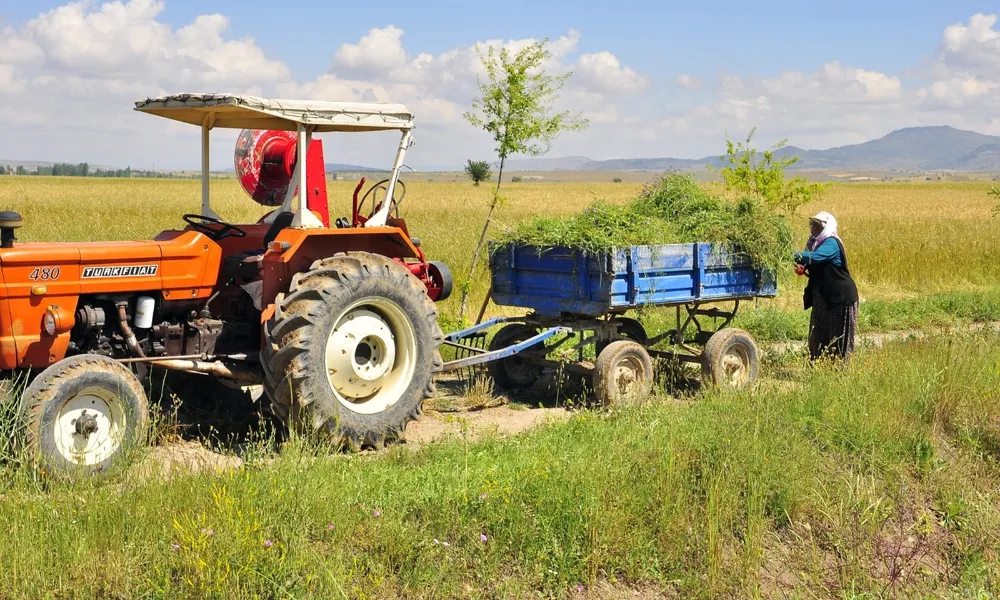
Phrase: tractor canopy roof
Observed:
(251, 112)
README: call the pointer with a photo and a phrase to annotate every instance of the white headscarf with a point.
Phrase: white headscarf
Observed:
(829, 223)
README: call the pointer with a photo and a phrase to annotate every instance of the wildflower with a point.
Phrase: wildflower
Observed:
(174, 547)
(446, 544)
(208, 531)
(378, 513)
(330, 527)
(483, 538)
(482, 496)
(268, 543)
(436, 542)
(579, 588)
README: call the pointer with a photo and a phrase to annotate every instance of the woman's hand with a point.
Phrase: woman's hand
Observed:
(800, 270)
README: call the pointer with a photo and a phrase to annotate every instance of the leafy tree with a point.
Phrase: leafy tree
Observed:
(20, 170)
(763, 176)
(515, 107)
(478, 170)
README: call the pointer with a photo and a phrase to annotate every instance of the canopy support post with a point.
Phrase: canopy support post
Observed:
(206, 128)
(379, 218)
(304, 218)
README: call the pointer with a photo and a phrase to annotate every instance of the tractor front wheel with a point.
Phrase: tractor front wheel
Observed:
(82, 414)
(352, 350)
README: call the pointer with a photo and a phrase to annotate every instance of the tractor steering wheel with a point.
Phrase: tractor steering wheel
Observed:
(200, 224)
(383, 185)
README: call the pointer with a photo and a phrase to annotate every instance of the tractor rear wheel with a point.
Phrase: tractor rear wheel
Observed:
(352, 350)
(83, 414)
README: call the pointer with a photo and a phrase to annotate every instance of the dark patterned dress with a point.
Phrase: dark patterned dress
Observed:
(833, 297)
(832, 329)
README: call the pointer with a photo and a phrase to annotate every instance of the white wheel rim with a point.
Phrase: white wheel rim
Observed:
(90, 426)
(736, 366)
(628, 377)
(371, 355)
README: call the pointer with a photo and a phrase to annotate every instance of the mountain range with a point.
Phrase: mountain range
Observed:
(937, 148)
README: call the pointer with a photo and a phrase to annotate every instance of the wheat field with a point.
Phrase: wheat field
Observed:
(904, 240)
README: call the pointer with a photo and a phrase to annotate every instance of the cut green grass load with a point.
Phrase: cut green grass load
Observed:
(673, 209)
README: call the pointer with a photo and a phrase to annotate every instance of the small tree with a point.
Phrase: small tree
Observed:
(478, 170)
(995, 192)
(764, 177)
(515, 107)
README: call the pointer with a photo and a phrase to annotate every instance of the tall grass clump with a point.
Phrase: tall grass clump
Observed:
(672, 209)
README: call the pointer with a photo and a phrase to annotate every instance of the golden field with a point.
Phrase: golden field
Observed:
(903, 239)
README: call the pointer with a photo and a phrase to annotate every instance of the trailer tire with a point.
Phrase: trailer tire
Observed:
(623, 374)
(54, 414)
(629, 329)
(513, 372)
(352, 350)
(730, 359)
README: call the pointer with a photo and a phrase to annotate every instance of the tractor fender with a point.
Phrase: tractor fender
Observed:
(295, 250)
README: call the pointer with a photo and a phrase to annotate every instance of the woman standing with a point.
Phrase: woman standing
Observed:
(831, 292)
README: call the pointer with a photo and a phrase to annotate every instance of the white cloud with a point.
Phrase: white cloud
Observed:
(125, 41)
(975, 37)
(688, 82)
(603, 72)
(379, 50)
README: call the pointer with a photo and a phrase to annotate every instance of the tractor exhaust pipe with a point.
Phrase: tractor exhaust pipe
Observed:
(133, 344)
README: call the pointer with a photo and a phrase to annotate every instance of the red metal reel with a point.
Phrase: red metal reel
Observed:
(435, 275)
(265, 160)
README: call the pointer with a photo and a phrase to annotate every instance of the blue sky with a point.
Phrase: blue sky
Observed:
(657, 37)
(820, 74)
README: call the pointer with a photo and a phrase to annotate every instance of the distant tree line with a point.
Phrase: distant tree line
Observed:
(84, 170)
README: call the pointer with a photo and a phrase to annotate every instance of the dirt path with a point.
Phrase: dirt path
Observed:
(880, 338)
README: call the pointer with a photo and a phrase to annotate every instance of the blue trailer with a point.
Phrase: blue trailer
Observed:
(576, 299)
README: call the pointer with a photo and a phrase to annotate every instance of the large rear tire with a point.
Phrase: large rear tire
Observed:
(352, 350)
(82, 415)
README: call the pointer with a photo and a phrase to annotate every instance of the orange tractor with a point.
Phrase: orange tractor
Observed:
(335, 324)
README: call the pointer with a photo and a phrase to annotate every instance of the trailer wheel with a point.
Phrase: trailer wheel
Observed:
(353, 349)
(623, 373)
(82, 414)
(513, 372)
(629, 329)
(730, 359)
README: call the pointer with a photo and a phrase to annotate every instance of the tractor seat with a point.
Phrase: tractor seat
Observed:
(282, 221)
(246, 265)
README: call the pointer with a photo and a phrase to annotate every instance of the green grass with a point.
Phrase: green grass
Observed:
(934, 310)
(875, 480)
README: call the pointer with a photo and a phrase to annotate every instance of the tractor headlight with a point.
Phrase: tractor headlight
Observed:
(57, 320)
(49, 322)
